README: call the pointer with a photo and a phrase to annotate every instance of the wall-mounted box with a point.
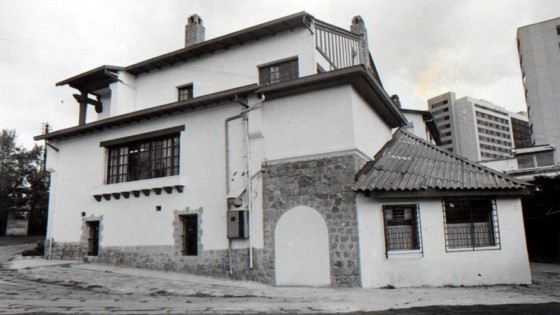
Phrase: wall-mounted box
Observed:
(238, 224)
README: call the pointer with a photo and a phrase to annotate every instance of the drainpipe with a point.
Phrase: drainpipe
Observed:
(227, 181)
(245, 116)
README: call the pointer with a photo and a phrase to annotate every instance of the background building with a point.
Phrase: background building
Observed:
(477, 129)
(539, 56)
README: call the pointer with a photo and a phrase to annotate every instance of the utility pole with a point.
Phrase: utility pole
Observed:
(46, 129)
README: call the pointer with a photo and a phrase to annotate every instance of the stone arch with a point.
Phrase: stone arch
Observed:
(301, 242)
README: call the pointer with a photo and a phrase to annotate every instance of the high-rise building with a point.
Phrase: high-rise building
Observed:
(539, 56)
(477, 129)
(521, 129)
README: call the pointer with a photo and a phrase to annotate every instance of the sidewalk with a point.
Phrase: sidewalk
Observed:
(235, 296)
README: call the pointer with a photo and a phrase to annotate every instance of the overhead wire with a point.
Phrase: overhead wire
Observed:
(48, 45)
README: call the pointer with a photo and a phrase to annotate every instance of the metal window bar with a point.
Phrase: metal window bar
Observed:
(419, 230)
(495, 224)
(402, 229)
(473, 225)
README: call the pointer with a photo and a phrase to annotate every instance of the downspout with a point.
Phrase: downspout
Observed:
(245, 113)
(227, 181)
(245, 116)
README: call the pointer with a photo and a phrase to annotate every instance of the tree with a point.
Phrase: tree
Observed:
(23, 182)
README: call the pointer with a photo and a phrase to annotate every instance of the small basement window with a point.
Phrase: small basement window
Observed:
(278, 71)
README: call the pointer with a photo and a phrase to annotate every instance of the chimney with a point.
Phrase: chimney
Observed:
(358, 27)
(194, 31)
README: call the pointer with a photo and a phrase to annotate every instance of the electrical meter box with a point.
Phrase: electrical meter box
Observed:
(238, 224)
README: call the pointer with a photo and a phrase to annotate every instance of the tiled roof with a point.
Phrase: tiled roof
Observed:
(410, 164)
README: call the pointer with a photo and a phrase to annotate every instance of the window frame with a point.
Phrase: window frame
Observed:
(162, 146)
(186, 87)
(416, 232)
(494, 226)
(265, 77)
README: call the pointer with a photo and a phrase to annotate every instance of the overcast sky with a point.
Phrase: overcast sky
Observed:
(421, 48)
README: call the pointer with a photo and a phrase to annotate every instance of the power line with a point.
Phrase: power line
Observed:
(48, 45)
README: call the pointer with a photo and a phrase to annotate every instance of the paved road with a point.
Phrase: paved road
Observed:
(94, 289)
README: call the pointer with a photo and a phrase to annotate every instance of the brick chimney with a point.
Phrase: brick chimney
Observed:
(358, 27)
(194, 31)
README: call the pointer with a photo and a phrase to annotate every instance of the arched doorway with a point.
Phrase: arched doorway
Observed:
(301, 242)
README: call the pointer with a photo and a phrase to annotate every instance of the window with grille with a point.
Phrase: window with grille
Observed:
(143, 159)
(278, 72)
(185, 92)
(471, 224)
(402, 227)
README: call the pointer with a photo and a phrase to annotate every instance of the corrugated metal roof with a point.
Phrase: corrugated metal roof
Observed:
(408, 163)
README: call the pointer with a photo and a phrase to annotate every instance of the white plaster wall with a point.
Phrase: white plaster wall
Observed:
(370, 131)
(123, 94)
(81, 170)
(225, 69)
(437, 267)
(418, 125)
(308, 124)
(301, 241)
(502, 165)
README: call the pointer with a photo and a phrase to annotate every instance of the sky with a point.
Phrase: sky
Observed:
(421, 48)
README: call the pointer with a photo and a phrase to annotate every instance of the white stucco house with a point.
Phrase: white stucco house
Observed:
(270, 154)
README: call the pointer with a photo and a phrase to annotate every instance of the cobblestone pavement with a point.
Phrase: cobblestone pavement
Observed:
(98, 289)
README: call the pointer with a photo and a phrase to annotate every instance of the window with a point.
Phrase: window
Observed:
(558, 30)
(143, 157)
(402, 231)
(471, 224)
(185, 92)
(190, 235)
(278, 72)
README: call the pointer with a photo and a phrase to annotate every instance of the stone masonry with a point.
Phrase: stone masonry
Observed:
(324, 184)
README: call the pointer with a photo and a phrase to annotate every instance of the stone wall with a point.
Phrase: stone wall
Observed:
(324, 184)
(208, 263)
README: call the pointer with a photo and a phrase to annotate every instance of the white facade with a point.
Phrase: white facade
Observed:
(238, 141)
(539, 57)
(433, 265)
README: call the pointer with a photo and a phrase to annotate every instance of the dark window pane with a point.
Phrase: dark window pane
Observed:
(401, 227)
(143, 159)
(279, 72)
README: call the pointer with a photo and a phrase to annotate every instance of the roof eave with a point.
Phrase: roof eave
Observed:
(149, 113)
(435, 193)
(358, 76)
(273, 27)
(72, 80)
